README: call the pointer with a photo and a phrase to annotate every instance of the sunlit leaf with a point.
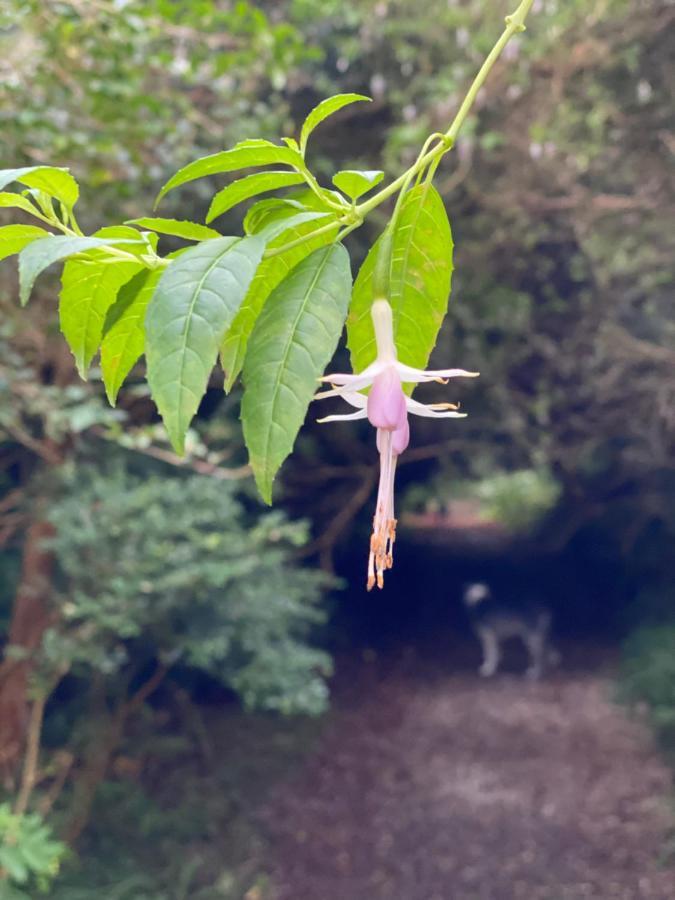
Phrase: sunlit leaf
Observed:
(246, 154)
(292, 342)
(196, 299)
(124, 330)
(251, 186)
(355, 183)
(36, 257)
(191, 231)
(56, 182)
(421, 272)
(270, 273)
(89, 287)
(13, 238)
(325, 109)
(18, 202)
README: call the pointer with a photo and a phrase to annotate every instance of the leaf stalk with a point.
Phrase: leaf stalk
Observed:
(515, 23)
(427, 157)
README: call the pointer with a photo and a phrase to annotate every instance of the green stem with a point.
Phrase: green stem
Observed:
(316, 188)
(438, 136)
(74, 223)
(152, 262)
(514, 24)
(277, 251)
(382, 267)
(347, 230)
(38, 215)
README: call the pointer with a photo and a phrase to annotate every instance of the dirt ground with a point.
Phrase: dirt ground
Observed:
(433, 784)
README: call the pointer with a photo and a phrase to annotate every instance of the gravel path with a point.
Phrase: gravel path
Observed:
(431, 784)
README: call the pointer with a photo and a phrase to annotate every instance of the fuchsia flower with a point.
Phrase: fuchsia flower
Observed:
(387, 408)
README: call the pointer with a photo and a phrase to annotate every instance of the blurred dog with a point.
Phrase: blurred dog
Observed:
(495, 621)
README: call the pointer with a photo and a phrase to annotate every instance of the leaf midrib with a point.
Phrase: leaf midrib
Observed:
(407, 245)
(125, 335)
(98, 277)
(188, 324)
(287, 349)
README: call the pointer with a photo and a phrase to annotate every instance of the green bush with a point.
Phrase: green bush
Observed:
(29, 855)
(175, 570)
(518, 500)
(648, 675)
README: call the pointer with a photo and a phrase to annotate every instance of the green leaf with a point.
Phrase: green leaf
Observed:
(12, 860)
(244, 155)
(89, 288)
(195, 301)
(283, 221)
(247, 187)
(191, 231)
(421, 272)
(355, 183)
(124, 332)
(36, 257)
(56, 182)
(265, 212)
(271, 272)
(309, 199)
(325, 109)
(36, 851)
(13, 238)
(292, 342)
(18, 202)
(122, 233)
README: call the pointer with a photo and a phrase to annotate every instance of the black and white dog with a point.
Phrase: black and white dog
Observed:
(495, 621)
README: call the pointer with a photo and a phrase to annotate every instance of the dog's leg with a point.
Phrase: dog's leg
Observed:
(491, 653)
(535, 641)
(553, 657)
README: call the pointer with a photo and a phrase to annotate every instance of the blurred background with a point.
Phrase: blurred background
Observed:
(198, 699)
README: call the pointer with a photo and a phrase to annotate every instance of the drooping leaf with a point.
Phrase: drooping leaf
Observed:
(421, 272)
(193, 305)
(17, 201)
(56, 182)
(292, 342)
(191, 231)
(325, 109)
(354, 183)
(89, 287)
(124, 331)
(271, 272)
(13, 238)
(36, 257)
(247, 187)
(246, 154)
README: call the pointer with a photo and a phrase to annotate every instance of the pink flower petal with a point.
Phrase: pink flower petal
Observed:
(400, 438)
(386, 401)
